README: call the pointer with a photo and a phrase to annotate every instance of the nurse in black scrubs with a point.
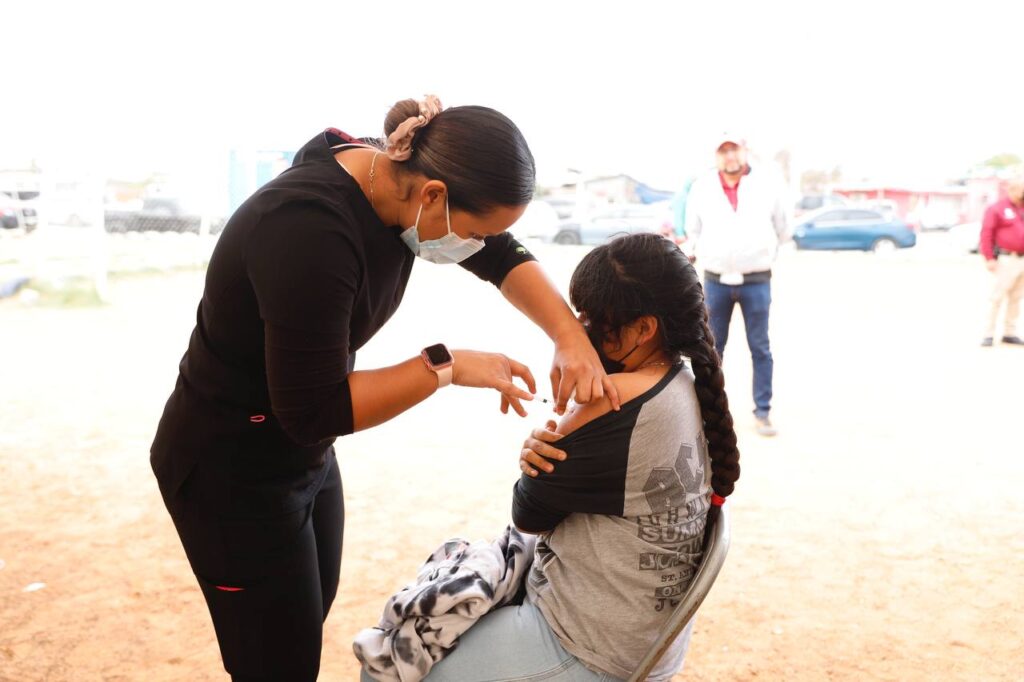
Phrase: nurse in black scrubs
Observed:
(304, 274)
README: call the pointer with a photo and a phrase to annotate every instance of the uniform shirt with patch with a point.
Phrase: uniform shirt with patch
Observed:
(626, 513)
(1002, 227)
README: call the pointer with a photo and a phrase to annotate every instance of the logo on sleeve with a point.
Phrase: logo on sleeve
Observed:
(667, 487)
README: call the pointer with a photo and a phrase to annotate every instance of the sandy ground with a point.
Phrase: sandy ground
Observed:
(879, 537)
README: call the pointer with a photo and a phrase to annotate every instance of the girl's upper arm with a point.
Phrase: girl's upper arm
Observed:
(577, 415)
(629, 386)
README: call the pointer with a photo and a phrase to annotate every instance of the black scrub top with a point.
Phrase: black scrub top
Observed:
(303, 275)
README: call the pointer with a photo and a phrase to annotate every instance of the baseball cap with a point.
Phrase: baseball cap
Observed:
(730, 136)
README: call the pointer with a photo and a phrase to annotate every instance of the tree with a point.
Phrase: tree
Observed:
(1003, 161)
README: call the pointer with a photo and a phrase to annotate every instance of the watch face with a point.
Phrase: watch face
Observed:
(437, 354)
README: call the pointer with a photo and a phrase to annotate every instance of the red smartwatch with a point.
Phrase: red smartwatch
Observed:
(439, 360)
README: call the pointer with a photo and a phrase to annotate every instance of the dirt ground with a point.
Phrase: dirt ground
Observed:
(880, 536)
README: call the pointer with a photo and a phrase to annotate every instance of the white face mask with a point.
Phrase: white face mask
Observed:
(450, 248)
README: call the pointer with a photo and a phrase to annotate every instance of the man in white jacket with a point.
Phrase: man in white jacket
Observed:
(735, 220)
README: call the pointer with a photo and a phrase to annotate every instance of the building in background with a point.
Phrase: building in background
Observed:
(922, 207)
(248, 170)
(929, 208)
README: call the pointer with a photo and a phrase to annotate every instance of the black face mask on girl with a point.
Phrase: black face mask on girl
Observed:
(610, 366)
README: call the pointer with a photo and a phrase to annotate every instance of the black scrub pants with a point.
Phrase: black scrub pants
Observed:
(269, 582)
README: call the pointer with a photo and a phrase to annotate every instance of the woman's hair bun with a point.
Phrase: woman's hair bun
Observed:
(407, 108)
(399, 136)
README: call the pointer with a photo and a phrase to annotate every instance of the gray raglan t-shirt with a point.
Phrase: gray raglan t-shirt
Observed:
(626, 513)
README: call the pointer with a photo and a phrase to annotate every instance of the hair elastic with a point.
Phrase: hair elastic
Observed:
(717, 500)
(399, 145)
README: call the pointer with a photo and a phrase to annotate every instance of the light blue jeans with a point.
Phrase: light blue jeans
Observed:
(511, 643)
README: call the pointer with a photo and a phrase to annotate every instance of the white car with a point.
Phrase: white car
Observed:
(18, 209)
(965, 237)
(613, 220)
(539, 221)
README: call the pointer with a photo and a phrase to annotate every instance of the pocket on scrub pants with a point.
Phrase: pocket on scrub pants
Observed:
(266, 631)
(265, 598)
(237, 611)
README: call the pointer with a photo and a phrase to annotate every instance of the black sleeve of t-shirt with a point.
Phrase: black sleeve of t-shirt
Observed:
(500, 255)
(306, 274)
(591, 480)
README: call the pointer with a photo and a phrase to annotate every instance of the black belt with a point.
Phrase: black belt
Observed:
(759, 277)
(1006, 252)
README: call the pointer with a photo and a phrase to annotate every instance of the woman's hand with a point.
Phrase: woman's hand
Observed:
(494, 370)
(576, 368)
(536, 452)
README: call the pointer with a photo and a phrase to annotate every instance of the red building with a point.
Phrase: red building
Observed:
(930, 207)
(923, 208)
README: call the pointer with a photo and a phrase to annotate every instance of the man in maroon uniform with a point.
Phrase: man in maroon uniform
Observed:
(1002, 245)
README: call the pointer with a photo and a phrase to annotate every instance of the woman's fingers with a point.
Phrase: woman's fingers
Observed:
(555, 375)
(511, 391)
(562, 394)
(497, 371)
(523, 372)
(579, 380)
(514, 401)
(611, 392)
(576, 366)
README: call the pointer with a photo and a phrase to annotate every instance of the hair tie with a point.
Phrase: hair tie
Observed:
(717, 500)
(399, 147)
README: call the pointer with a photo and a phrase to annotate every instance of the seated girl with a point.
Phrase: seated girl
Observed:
(620, 522)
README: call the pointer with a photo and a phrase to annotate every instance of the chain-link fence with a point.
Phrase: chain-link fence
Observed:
(62, 237)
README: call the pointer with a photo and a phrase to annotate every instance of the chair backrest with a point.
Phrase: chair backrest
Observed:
(716, 546)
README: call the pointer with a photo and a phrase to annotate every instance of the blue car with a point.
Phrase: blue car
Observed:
(860, 229)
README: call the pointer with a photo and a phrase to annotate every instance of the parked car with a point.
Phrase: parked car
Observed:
(17, 209)
(539, 221)
(564, 206)
(158, 214)
(966, 237)
(813, 202)
(887, 207)
(852, 228)
(8, 214)
(616, 220)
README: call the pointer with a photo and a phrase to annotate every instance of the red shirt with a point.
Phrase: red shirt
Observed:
(1003, 226)
(732, 193)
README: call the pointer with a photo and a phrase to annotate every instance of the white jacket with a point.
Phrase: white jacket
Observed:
(733, 243)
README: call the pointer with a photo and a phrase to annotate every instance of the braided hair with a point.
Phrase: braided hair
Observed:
(646, 274)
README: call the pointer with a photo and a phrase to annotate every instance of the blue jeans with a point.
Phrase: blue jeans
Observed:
(755, 301)
(511, 643)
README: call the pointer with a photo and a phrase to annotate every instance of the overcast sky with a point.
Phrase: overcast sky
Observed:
(887, 89)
